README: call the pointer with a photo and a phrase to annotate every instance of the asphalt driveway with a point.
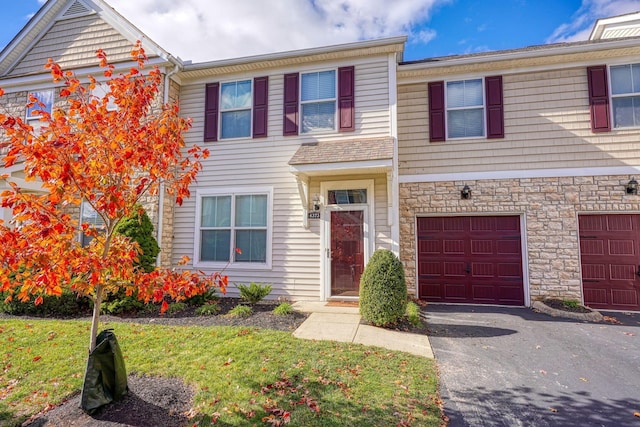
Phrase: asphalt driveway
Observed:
(514, 367)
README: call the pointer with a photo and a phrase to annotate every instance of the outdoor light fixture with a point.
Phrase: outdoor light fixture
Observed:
(632, 186)
(466, 192)
(316, 202)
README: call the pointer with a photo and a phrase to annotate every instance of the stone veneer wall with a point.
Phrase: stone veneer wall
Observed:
(550, 207)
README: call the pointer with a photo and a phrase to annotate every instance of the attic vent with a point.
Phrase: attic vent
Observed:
(76, 8)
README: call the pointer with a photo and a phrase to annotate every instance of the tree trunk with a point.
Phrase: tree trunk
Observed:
(96, 317)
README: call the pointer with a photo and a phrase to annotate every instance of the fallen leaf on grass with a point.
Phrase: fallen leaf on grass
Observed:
(35, 359)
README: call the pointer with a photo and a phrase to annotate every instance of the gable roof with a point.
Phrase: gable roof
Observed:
(55, 12)
(627, 25)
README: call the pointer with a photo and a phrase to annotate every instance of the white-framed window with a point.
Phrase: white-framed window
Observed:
(318, 101)
(235, 109)
(625, 95)
(100, 91)
(465, 109)
(88, 215)
(44, 97)
(234, 228)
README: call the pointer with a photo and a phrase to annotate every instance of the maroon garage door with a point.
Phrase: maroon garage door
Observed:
(610, 255)
(475, 260)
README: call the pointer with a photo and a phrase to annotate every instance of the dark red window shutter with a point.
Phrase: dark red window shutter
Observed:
(436, 112)
(495, 109)
(260, 104)
(599, 98)
(290, 125)
(346, 99)
(211, 112)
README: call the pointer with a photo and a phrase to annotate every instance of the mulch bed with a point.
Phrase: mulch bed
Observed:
(560, 305)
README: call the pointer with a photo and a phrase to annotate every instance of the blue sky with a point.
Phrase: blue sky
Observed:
(203, 30)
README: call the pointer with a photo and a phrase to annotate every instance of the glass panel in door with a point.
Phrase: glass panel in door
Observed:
(347, 252)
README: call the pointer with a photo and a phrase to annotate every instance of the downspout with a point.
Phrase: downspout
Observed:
(167, 84)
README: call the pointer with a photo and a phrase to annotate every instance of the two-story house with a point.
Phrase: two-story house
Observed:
(498, 177)
(517, 172)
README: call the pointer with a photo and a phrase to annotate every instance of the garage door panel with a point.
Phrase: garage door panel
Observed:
(453, 247)
(591, 247)
(480, 256)
(619, 222)
(429, 247)
(509, 247)
(621, 247)
(624, 297)
(481, 246)
(610, 255)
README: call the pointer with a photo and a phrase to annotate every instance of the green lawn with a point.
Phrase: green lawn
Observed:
(236, 372)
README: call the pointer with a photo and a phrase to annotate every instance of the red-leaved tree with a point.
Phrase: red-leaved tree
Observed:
(110, 158)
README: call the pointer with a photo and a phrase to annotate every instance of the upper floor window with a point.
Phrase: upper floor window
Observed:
(318, 101)
(235, 109)
(100, 91)
(625, 95)
(465, 109)
(44, 97)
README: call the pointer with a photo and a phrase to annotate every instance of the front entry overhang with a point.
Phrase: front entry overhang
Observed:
(364, 156)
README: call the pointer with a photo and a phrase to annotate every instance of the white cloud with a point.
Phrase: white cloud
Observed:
(579, 28)
(203, 30)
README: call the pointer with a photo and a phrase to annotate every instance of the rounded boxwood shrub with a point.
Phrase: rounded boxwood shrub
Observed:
(138, 228)
(383, 290)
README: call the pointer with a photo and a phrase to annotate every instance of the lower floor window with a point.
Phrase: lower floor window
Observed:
(234, 228)
(88, 215)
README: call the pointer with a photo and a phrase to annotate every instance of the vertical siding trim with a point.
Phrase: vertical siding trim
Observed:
(346, 99)
(599, 98)
(290, 113)
(495, 108)
(436, 112)
(211, 112)
(260, 106)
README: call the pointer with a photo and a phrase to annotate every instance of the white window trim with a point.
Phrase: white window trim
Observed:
(484, 110)
(231, 265)
(612, 96)
(316, 101)
(30, 117)
(220, 110)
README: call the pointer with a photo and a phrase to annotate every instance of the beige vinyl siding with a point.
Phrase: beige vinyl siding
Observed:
(73, 43)
(547, 126)
(233, 164)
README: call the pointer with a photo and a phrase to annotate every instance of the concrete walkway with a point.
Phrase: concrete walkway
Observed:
(332, 323)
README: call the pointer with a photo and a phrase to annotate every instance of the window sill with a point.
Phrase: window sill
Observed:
(237, 266)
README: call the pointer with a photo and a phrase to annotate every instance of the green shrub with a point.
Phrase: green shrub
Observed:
(120, 303)
(138, 228)
(570, 303)
(176, 307)
(69, 304)
(208, 309)
(383, 290)
(203, 299)
(413, 313)
(254, 293)
(284, 309)
(240, 311)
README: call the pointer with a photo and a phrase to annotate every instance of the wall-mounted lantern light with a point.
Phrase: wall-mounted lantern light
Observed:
(632, 186)
(316, 202)
(466, 192)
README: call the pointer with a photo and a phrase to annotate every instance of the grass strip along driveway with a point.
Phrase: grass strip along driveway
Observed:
(241, 376)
